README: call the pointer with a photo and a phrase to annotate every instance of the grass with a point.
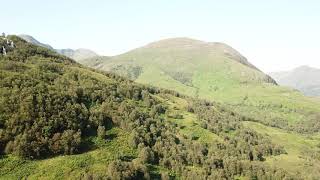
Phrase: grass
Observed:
(189, 125)
(70, 166)
(298, 159)
(156, 77)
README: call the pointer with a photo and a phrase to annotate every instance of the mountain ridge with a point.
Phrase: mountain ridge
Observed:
(77, 54)
(190, 43)
(216, 51)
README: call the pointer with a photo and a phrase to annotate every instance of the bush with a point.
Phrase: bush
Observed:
(101, 132)
(127, 170)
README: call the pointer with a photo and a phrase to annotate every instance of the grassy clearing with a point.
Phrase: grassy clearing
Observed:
(156, 77)
(189, 127)
(188, 124)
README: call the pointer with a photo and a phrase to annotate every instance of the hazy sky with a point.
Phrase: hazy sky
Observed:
(273, 34)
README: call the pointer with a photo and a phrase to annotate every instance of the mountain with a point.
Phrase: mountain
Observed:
(217, 72)
(304, 78)
(32, 40)
(59, 119)
(184, 56)
(214, 71)
(77, 54)
(62, 120)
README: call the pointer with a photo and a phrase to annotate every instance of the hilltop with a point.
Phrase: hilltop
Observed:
(182, 57)
(76, 54)
(304, 78)
(194, 45)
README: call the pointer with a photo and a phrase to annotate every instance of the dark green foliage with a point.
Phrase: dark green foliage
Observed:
(49, 104)
(183, 77)
(222, 160)
(127, 170)
(130, 71)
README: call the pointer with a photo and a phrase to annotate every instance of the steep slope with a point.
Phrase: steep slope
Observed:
(52, 106)
(304, 78)
(215, 71)
(77, 54)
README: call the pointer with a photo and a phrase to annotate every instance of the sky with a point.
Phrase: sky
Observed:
(274, 35)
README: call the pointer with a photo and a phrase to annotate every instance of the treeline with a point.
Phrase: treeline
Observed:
(310, 125)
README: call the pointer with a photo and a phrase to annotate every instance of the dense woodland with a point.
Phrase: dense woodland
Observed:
(50, 105)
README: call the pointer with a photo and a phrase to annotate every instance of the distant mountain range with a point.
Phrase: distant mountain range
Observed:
(304, 78)
(76, 54)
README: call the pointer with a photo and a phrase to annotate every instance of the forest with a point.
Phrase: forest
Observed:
(52, 106)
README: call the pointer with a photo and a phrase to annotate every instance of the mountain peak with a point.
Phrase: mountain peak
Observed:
(174, 42)
(189, 44)
(183, 41)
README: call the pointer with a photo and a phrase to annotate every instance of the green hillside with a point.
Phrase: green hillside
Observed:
(216, 72)
(61, 120)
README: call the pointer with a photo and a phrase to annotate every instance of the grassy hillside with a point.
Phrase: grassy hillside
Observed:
(217, 72)
(60, 120)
